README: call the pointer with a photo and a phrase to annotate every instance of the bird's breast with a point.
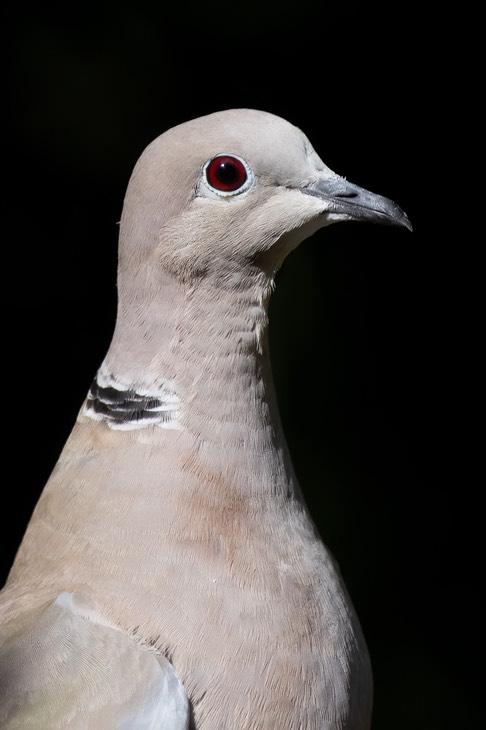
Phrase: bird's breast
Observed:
(261, 621)
(219, 569)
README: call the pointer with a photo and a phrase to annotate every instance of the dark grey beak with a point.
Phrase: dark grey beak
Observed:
(357, 203)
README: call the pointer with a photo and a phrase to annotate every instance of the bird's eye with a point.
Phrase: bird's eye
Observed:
(226, 174)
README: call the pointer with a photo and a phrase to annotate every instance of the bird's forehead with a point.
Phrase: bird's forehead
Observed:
(269, 144)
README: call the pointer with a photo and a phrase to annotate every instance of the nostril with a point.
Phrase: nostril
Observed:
(333, 187)
(347, 194)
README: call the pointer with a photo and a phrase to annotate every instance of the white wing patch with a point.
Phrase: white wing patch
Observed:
(68, 668)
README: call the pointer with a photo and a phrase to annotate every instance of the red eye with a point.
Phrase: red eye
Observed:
(226, 173)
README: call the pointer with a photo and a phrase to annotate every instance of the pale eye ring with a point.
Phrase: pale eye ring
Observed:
(227, 174)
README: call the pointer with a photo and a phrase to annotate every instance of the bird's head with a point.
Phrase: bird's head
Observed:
(231, 192)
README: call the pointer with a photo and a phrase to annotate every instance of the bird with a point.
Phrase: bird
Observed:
(171, 575)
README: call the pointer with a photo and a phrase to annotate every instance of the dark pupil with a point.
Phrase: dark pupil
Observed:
(227, 173)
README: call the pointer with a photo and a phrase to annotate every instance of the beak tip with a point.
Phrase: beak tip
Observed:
(405, 221)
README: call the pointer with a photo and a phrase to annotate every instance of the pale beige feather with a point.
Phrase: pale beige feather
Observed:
(186, 536)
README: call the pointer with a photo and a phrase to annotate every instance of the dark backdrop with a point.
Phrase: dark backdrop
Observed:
(367, 323)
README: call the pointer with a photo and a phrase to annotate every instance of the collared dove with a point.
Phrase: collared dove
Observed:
(171, 576)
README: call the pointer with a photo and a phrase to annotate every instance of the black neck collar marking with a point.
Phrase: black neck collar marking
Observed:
(126, 407)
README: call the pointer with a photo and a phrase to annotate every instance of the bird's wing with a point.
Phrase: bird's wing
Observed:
(67, 668)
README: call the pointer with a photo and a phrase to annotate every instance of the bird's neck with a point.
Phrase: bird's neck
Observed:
(217, 452)
(189, 334)
(197, 364)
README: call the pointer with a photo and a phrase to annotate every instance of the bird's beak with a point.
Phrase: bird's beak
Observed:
(346, 199)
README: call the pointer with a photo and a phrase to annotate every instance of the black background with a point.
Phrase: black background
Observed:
(372, 348)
